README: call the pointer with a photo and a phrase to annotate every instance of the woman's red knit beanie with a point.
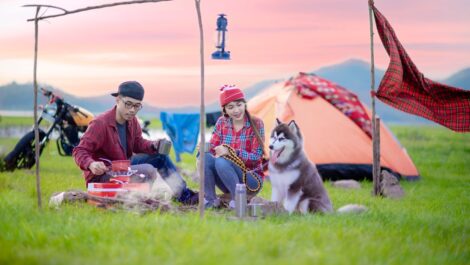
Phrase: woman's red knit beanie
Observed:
(229, 93)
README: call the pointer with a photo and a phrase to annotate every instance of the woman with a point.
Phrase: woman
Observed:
(236, 149)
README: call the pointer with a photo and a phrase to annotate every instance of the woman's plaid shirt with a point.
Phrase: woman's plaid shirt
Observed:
(244, 142)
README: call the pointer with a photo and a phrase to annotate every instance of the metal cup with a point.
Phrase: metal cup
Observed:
(164, 147)
(254, 209)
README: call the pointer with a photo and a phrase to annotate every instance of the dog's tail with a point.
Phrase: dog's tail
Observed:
(352, 208)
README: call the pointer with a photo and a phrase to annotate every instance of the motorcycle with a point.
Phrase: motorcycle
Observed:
(65, 119)
(145, 127)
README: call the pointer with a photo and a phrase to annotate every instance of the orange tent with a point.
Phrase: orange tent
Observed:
(340, 146)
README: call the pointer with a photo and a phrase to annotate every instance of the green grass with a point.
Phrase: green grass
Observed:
(428, 226)
(155, 123)
(7, 121)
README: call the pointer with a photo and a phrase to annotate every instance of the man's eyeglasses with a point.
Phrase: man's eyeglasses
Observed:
(130, 105)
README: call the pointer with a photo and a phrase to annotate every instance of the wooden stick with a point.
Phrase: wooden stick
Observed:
(202, 114)
(377, 158)
(48, 6)
(375, 150)
(66, 12)
(36, 126)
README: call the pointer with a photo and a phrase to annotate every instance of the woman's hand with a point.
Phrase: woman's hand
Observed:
(220, 150)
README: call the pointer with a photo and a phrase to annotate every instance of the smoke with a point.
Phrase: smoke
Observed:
(161, 189)
(174, 182)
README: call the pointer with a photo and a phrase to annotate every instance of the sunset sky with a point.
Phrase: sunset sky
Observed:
(157, 44)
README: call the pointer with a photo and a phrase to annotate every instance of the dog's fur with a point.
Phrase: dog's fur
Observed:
(296, 183)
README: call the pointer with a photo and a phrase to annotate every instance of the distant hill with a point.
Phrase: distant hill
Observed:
(23, 95)
(24, 98)
(250, 92)
(352, 74)
(460, 79)
(253, 90)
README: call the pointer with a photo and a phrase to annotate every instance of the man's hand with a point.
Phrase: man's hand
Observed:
(220, 150)
(97, 168)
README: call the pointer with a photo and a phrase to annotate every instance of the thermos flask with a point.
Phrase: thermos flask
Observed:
(240, 200)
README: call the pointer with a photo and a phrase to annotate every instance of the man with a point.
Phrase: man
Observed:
(116, 135)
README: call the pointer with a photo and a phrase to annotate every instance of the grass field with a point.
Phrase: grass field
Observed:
(429, 226)
(21, 121)
(7, 121)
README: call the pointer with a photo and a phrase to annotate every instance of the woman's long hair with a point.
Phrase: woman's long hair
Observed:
(253, 124)
(255, 129)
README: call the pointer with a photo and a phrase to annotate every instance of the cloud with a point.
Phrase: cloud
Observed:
(90, 52)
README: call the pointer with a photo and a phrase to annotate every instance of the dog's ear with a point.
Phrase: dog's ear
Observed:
(278, 122)
(294, 128)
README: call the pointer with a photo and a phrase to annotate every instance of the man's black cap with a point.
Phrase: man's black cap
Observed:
(130, 89)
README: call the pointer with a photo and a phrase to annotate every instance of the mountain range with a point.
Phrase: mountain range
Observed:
(352, 74)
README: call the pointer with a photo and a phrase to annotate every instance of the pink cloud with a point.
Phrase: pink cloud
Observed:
(158, 43)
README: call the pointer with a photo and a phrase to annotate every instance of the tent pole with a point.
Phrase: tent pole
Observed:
(202, 115)
(374, 118)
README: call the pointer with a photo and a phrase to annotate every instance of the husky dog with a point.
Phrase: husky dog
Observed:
(296, 183)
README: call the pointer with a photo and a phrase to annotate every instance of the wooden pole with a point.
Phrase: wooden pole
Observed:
(375, 135)
(36, 126)
(66, 12)
(202, 114)
(377, 190)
